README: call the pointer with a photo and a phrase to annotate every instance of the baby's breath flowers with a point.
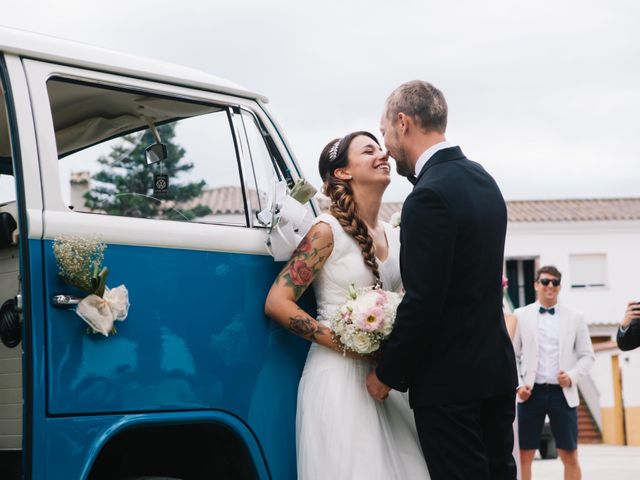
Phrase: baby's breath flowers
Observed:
(79, 261)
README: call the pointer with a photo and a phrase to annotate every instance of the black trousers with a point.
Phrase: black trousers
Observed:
(469, 441)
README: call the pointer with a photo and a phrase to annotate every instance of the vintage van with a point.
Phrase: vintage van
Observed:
(168, 167)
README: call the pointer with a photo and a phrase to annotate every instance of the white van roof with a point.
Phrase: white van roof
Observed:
(53, 49)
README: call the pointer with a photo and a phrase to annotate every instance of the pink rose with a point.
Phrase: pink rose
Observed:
(505, 282)
(300, 273)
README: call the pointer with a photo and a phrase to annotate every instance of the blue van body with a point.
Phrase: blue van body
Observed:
(195, 347)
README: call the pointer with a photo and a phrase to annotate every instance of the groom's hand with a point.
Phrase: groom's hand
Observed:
(376, 388)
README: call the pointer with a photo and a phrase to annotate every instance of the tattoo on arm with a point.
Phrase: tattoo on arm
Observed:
(304, 265)
(307, 327)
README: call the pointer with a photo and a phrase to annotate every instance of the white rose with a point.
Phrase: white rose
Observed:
(365, 303)
(362, 343)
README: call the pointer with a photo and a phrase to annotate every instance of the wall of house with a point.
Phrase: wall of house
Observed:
(619, 404)
(603, 307)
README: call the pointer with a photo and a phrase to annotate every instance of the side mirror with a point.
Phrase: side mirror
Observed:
(155, 153)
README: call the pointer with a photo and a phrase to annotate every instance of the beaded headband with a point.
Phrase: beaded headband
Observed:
(333, 153)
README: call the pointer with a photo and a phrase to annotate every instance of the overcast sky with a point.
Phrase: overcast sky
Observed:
(545, 94)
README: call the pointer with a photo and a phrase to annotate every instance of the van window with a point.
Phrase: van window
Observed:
(265, 168)
(264, 172)
(103, 134)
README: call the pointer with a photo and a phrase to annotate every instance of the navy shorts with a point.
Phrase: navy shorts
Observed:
(547, 399)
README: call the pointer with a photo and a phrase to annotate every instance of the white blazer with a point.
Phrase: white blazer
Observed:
(576, 355)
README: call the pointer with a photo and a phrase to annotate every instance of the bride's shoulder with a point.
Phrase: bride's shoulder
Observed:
(323, 227)
(330, 220)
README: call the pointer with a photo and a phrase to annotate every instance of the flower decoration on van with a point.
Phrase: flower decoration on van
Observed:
(79, 261)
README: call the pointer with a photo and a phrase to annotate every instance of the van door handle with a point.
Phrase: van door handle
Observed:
(65, 300)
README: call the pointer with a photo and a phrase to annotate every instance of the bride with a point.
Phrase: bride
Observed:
(342, 432)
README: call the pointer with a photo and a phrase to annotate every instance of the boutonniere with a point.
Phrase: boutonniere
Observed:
(395, 219)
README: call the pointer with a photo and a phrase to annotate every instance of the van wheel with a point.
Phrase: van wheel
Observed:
(548, 448)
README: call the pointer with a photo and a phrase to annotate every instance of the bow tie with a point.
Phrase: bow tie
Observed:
(550, 311)
(413, 179)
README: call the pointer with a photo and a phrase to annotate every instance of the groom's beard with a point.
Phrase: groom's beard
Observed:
(402, 164)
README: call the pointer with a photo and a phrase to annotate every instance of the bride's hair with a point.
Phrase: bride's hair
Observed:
(343, 206)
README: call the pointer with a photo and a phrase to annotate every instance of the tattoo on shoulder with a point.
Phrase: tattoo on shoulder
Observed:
(305, 263)
(307, 327)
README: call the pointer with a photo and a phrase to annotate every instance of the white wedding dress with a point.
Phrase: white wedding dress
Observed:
(341, 432)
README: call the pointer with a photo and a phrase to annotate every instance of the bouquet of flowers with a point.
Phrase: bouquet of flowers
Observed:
(79, 261)
(366, 319)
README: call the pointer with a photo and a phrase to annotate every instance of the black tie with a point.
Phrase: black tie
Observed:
(413, 179)
(550, 311)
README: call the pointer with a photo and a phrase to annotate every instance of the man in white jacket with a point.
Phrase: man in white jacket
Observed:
(553, 351)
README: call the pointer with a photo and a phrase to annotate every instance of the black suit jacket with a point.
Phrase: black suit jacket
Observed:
(631, 338)
(450, 343)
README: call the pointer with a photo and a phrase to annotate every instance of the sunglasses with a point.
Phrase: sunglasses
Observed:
(546, 281)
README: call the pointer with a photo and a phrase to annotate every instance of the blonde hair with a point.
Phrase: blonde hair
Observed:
(422, 101)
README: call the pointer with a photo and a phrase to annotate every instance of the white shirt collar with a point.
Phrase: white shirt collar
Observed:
(428, 153)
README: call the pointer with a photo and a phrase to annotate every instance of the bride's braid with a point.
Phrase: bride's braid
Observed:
(343, 207)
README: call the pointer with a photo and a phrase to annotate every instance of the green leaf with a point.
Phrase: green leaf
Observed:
(101, 281)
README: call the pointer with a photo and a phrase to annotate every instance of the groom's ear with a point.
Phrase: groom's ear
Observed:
(342, 174)
(403, 122)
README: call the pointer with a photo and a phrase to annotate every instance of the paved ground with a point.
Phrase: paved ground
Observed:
(598, 462)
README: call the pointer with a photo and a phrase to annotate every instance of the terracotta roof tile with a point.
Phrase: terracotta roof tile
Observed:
(557, 210)
(574, 210)
(223, 200)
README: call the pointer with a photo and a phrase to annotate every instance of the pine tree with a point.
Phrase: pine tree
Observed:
(125, 185)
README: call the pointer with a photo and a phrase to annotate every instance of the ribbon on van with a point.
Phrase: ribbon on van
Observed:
(289, 218)
(101, 312)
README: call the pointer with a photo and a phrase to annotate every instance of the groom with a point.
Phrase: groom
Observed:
(449, 346)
